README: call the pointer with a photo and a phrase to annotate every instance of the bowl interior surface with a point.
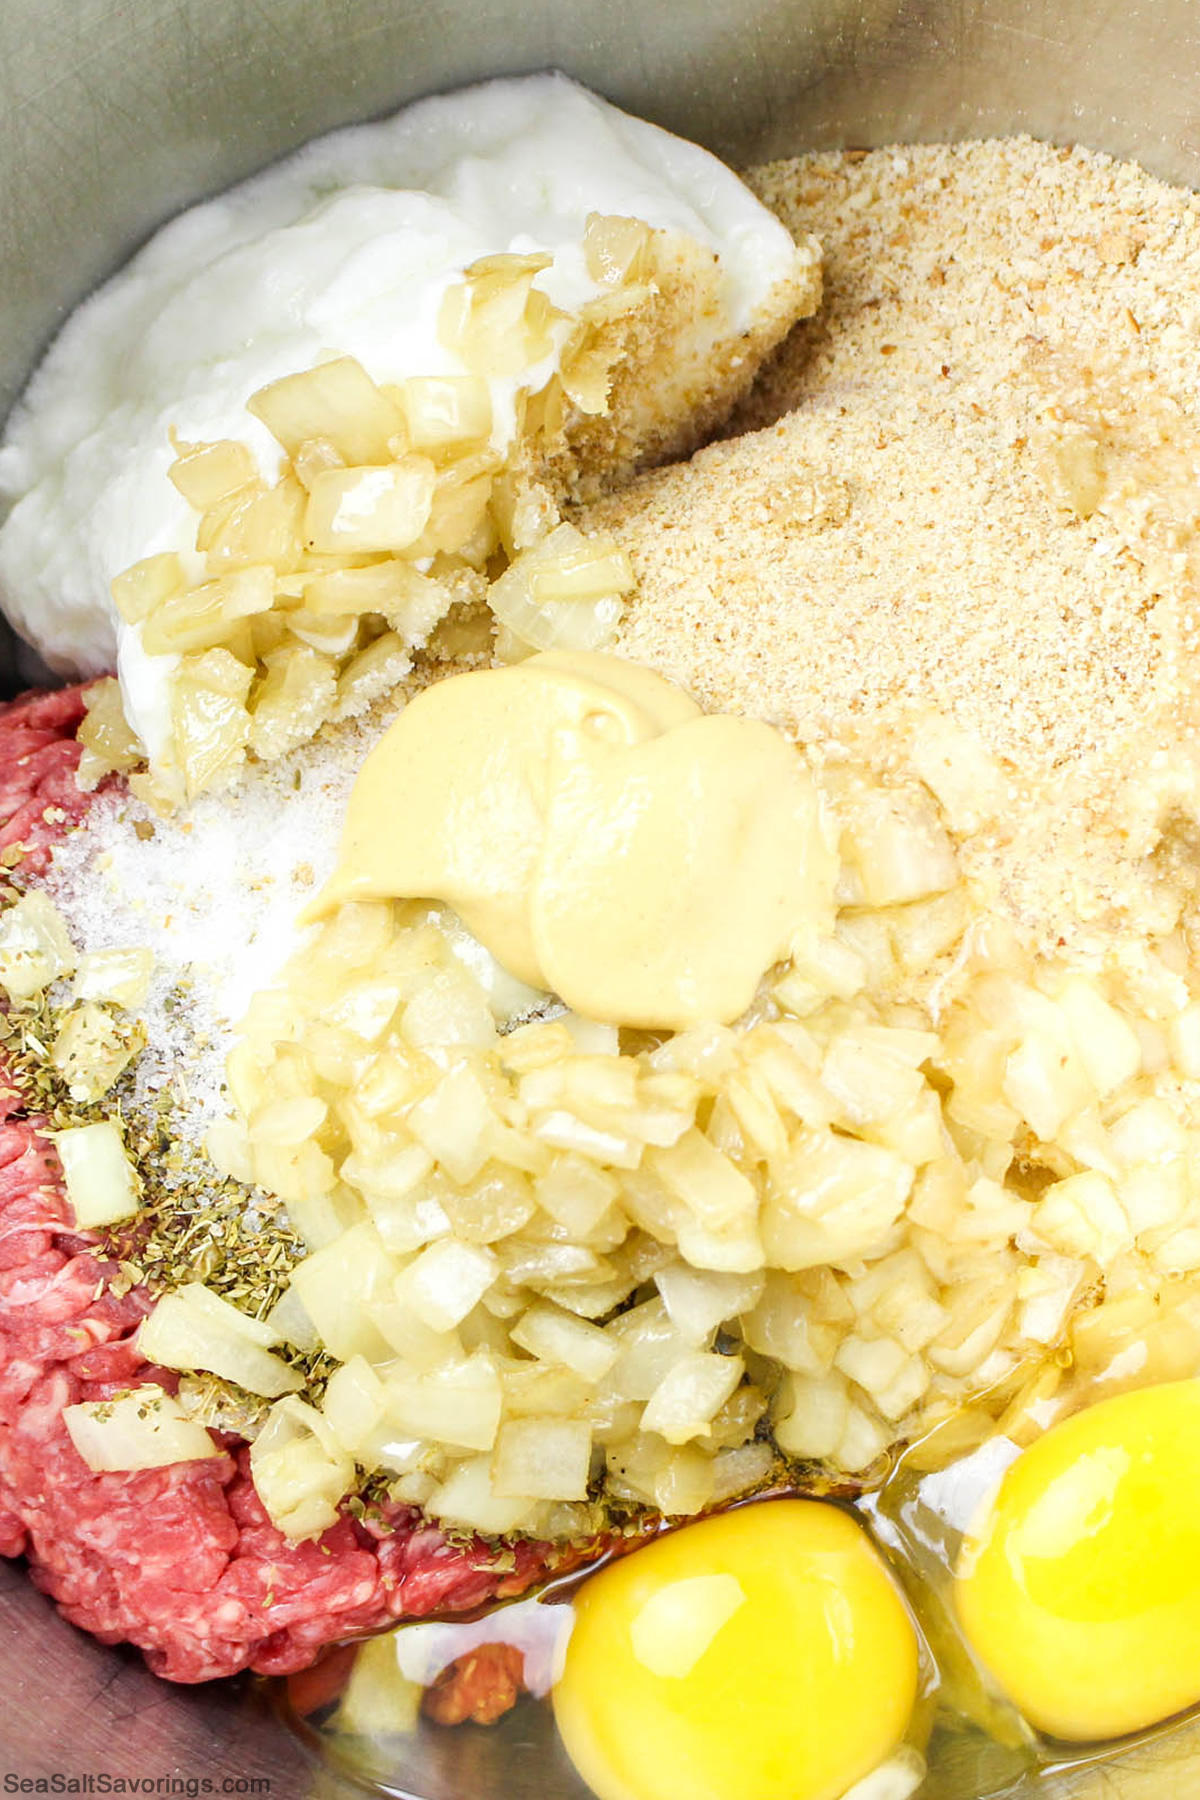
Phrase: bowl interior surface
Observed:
(118, 113)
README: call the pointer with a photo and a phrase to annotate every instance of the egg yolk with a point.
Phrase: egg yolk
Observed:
(1079, 1588)
(764, 1654)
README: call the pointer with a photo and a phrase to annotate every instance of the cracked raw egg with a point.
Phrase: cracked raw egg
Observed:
(764, 1654)
(1079, 1587)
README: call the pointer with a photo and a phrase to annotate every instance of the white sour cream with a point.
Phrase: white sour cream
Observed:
(347, 247)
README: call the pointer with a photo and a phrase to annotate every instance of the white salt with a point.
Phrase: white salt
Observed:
(216, 895)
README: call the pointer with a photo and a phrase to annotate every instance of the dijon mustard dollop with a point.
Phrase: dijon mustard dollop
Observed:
(603, 837)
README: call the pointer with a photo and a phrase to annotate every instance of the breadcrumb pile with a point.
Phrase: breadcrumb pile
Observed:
(962, 511)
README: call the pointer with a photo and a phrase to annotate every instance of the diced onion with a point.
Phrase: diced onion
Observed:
(34, 946)
(145, 1429)
(459, 1403)
(299, 1469)
(454, 1123)
(565, 593)
(698, 1301)
(354, 1405)
(145, 585)
(555, 1336)
(542, 1459)
(122, 976)
(690, 1395)
(467, 1498)
(290, 1324)
(377, 508)
(195, 1329)
(207, 473)
(200, 618)
(92, 1049)
(378, 1699)
(444, 411)
(337, 1284)
(446, 1281)
(336, 402)
(101, 1182)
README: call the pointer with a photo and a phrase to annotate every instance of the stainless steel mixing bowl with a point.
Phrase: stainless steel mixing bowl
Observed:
(115, 113)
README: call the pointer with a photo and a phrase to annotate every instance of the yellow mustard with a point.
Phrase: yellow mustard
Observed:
(604, 838)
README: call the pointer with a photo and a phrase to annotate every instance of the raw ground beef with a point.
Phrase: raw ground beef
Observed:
(477, 1688)
(38, 753)
(182, 1561)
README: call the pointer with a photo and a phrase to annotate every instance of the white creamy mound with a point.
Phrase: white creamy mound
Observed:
(347, 247)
